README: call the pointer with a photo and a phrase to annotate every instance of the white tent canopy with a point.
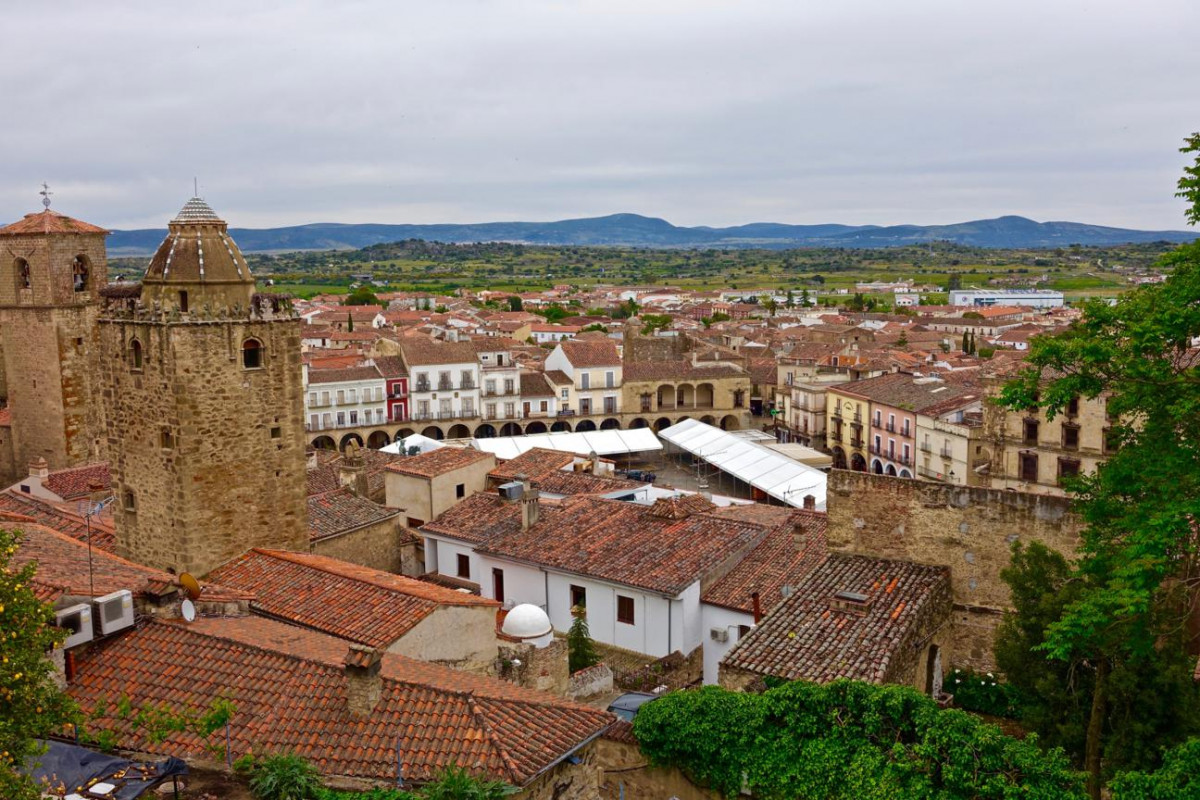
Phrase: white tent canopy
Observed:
(780, 477)
(413, 440)
(602, 443)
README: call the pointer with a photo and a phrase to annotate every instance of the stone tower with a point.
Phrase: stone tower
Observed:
(52, 269)
(203, 404)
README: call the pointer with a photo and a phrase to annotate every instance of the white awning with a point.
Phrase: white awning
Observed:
(780, 477)
(413, 440)
(602, 443)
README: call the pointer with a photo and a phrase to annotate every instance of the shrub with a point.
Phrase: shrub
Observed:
(983, 693)
(284, 777)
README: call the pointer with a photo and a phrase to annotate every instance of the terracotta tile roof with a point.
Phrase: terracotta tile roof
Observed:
(77, 482)
(422, 351)
(793, 549)
(391, 366)
(14, 505)
(288, 685)
(558, 377)
(341, 511)
(494, 344)
(439, 462)
(63, 561)
(48, 222)
(533, 384)
(903, 390)
(806, 637)
(344, 375)
(479, 518)
(764, 371)
(326, 476)
(614, 541)
(533, 463)
(680, 370)
(600, 352)
(356, 603)
(568, 482)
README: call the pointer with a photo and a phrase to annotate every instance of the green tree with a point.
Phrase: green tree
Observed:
(804, 298)
(554, 312)
(1189, 184)
(349, 322)
(362, 296)
(515, 303)
(791, 299)
(31, 705)
(581, 650)
(1178, 777)
(1139, 548)
(966, 343)
(846, 740)
(654, 322)
(953, 282)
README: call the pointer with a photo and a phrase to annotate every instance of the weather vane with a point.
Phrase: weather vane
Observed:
(45, 193)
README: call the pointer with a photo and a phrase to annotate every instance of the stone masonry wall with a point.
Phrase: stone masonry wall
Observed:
(207, 457)
(971, 530)
(377, 546)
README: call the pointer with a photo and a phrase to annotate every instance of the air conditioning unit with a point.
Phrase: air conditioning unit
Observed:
(77, 621)
(114, 612)
(719, 634)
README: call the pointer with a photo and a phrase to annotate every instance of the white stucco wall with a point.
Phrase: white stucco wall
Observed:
(724, 619)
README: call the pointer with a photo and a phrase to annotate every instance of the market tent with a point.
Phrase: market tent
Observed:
(602, 443)
(783, 478)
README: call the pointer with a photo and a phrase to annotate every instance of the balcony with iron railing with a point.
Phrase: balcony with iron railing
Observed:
(422, 386)
(433, 416)
(500, 391)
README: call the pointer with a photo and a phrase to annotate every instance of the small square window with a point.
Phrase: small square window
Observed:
(464, 566)
(128, 501)
(166, 439)
(276, 432)
(578, 596)
(460, 491)
(742, 631)
(624, 609)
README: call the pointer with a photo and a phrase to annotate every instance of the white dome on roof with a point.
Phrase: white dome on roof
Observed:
(526, 621)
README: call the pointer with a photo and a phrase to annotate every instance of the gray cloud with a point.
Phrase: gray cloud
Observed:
(699, 112)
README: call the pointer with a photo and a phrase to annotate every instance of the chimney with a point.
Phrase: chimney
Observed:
(352, 472)
(310, 459)
(757, 608)
(810, 503)
(38, 468)
(363, 684)
(529, 507)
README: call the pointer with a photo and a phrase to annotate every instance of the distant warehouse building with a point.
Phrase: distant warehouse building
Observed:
(1038, 298)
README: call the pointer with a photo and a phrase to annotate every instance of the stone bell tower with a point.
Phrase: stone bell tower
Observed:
(52, 269)
(203, 405)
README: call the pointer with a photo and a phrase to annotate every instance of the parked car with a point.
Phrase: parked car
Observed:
(626, 706)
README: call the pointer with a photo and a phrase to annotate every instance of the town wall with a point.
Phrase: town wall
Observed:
(627, 774)
(971, 530)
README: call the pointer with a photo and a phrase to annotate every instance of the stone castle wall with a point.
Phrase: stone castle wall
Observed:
(971, 530)
(210, 459)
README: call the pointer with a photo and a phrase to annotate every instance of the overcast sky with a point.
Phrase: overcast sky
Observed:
(703, 113)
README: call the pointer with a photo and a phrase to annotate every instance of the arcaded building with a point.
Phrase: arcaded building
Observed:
(202, 399)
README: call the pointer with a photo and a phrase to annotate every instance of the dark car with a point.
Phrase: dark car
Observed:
(626, 706)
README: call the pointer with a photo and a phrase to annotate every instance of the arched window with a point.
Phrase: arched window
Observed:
(135, 354)
(81, 273)
(21, 272)
(252, 354)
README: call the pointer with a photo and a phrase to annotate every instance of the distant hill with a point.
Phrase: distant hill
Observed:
(634, 230)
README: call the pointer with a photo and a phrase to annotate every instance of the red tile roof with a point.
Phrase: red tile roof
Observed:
(807, 638)
(288, 686)
(611, 540)
(326, 477)
(533, 463)
(591, 353)
(77, 482)
(341, 511)
(336, 597)
(680, 370)
(423, 351)
(569, 482)
(345, 375)
(44, 513)
(49, 222)
(439, 462)
(793, 549)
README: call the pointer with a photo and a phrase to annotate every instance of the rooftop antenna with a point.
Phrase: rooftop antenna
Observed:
(87, 509)
(45, 193)
(195, 187)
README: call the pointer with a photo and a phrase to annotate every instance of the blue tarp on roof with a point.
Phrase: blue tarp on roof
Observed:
(72, 770)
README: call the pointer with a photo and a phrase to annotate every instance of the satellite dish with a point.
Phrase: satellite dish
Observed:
(188, 609)
(190, 585)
